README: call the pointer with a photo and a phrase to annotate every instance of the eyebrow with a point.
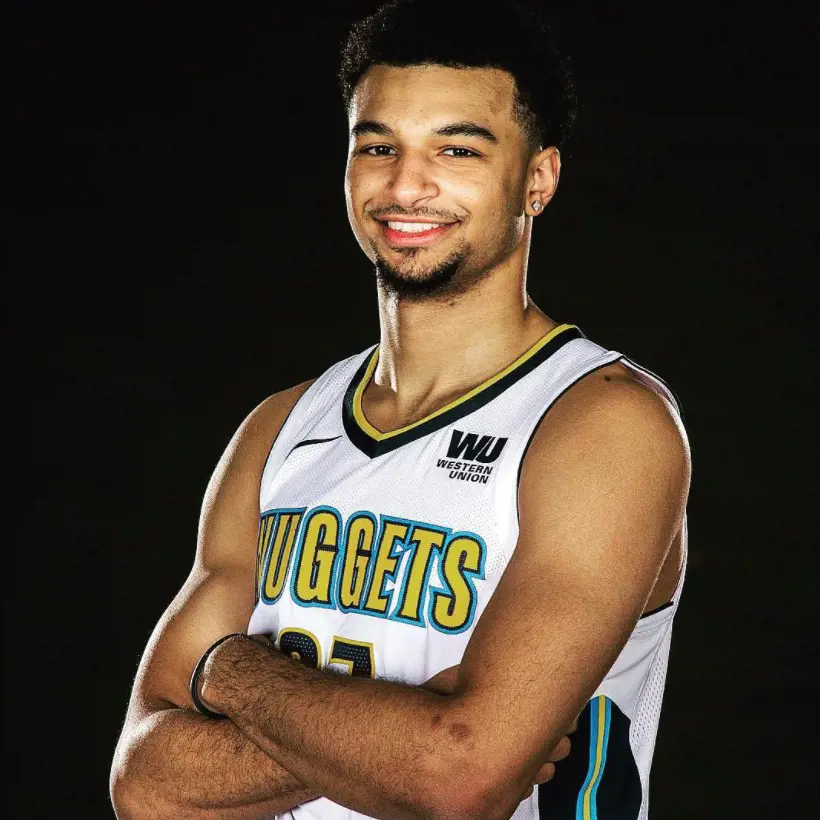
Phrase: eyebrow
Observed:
(456, 129)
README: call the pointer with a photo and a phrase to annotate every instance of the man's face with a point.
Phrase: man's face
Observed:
(419, 156)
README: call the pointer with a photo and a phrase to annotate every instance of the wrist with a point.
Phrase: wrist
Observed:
(224, 675)
(203, 703)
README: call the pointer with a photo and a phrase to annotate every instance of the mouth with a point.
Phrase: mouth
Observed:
(404, 234)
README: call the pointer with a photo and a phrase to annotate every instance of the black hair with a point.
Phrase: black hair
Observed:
(512, 37)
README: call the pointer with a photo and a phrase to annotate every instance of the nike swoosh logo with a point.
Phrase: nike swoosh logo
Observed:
(308, 441)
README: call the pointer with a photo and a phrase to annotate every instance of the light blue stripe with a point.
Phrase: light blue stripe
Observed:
(593, 798)
(593, 737)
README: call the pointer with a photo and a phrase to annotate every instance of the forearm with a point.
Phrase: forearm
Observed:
(175, 763)
(372, 745)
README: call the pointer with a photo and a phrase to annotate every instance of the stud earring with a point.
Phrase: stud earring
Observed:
(536, 206)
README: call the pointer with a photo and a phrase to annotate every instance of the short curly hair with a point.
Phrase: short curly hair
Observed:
(513, 38)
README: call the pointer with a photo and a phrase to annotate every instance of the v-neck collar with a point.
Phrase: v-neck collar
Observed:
(373, 442)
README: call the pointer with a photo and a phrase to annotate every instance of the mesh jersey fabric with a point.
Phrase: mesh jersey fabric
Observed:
(378, 553)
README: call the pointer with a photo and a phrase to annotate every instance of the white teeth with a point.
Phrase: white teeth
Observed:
(412, 227)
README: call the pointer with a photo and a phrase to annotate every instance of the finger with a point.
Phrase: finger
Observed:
(444, 682)
(263, 639)
(545, 773)
(561, 750)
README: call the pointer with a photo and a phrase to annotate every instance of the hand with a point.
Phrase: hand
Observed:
(263, 639)
(547, 771)
(444, 683)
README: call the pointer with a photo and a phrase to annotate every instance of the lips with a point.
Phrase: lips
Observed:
(403, 239)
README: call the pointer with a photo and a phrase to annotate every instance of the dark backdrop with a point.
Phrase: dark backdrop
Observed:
(184, 252)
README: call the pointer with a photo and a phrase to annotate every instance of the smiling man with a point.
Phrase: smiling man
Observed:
(415, 572)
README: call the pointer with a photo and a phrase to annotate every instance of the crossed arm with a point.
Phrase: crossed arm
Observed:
(602, 495)
(171, 762)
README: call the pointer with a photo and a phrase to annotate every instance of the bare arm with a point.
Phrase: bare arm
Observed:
(602, 494)
(189, 766)
(170, 761)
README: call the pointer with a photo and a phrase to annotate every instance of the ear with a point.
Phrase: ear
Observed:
(542, 179)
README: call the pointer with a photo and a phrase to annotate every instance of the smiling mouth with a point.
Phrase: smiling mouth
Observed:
(403, 234)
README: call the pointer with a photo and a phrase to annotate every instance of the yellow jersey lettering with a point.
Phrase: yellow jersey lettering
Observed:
(316, 559)
(345, 565)
(279, 551)
(262, 544)
(462, 561)
(361, 532)
(385, 564)
(414, 588)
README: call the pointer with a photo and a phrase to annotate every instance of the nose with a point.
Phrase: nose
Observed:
(412, 180)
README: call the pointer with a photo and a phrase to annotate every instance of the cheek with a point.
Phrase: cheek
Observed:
(359, 177)
(362, 189)
(468, 185)
(484, 186)
(501, 222)
(493, 202)
(355, 192)
(357, 196)
(350, 185)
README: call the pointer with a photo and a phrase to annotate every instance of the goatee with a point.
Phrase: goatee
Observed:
(436, 282)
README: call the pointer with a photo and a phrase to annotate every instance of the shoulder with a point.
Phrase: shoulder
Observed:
(612, 416)
(257, 432)
(614, 397)
(248, 449)
(260, 428)
(233, 490)
(276, 407)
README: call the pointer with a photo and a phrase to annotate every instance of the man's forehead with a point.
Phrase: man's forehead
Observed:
(433, 92)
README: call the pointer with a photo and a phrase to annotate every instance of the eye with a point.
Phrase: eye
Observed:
(371, 148)
(466, 151)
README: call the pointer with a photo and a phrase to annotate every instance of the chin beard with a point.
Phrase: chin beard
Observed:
(436, 282)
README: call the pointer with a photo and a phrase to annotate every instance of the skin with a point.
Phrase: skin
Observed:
(602, 496)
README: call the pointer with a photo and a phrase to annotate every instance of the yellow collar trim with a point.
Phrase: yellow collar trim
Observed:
(371, 431)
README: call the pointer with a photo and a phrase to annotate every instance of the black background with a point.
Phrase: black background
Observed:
(180, 250)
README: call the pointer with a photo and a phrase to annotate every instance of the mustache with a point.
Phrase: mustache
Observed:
(394, 210)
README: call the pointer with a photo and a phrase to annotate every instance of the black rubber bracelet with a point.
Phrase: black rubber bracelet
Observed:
(194, 685)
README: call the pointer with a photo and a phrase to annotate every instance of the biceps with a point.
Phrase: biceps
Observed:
(209, 605)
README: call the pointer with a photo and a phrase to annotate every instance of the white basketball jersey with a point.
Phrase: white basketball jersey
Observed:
(378, 553)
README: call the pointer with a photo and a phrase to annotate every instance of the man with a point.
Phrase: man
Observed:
(461, 528)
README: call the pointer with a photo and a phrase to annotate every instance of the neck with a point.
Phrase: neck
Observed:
(433, 350)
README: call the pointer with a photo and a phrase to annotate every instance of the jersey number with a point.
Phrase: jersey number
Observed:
(303, 646)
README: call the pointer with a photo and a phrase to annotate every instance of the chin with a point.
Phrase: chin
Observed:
(433, 280)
